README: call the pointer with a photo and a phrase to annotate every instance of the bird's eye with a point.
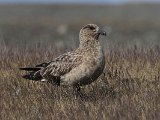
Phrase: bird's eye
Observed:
(92, 28)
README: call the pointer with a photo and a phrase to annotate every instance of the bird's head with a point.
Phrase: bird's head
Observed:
(91, 31)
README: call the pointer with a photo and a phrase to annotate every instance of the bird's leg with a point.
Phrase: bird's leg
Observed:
(77, 91)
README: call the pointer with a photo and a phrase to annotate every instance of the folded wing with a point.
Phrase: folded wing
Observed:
(54, 69)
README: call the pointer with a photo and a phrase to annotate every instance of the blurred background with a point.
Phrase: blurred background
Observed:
(127, 22)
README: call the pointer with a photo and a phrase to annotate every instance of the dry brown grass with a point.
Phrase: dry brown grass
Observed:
(129, 89)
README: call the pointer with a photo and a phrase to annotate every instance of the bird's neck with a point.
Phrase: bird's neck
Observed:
(89, 43)
(91, 48)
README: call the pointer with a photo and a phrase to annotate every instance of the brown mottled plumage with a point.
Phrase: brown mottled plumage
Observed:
(76, 68)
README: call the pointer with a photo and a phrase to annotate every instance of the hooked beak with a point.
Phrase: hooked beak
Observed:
(102, 32)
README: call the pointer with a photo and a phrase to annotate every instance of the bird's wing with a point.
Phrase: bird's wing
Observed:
(43, 64)
(61, 65)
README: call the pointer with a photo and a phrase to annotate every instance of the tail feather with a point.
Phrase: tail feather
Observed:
(33, 76)
(30, 69)
(28, 76)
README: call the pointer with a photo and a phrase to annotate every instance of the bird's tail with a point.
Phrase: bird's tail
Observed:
(34, 74)
(30, 69)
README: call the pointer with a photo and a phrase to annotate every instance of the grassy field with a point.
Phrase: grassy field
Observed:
(129, 88)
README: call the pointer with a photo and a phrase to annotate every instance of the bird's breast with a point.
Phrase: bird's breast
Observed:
(97, 61)
(88, 71)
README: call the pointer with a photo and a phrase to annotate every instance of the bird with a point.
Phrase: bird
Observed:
(76, 68)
